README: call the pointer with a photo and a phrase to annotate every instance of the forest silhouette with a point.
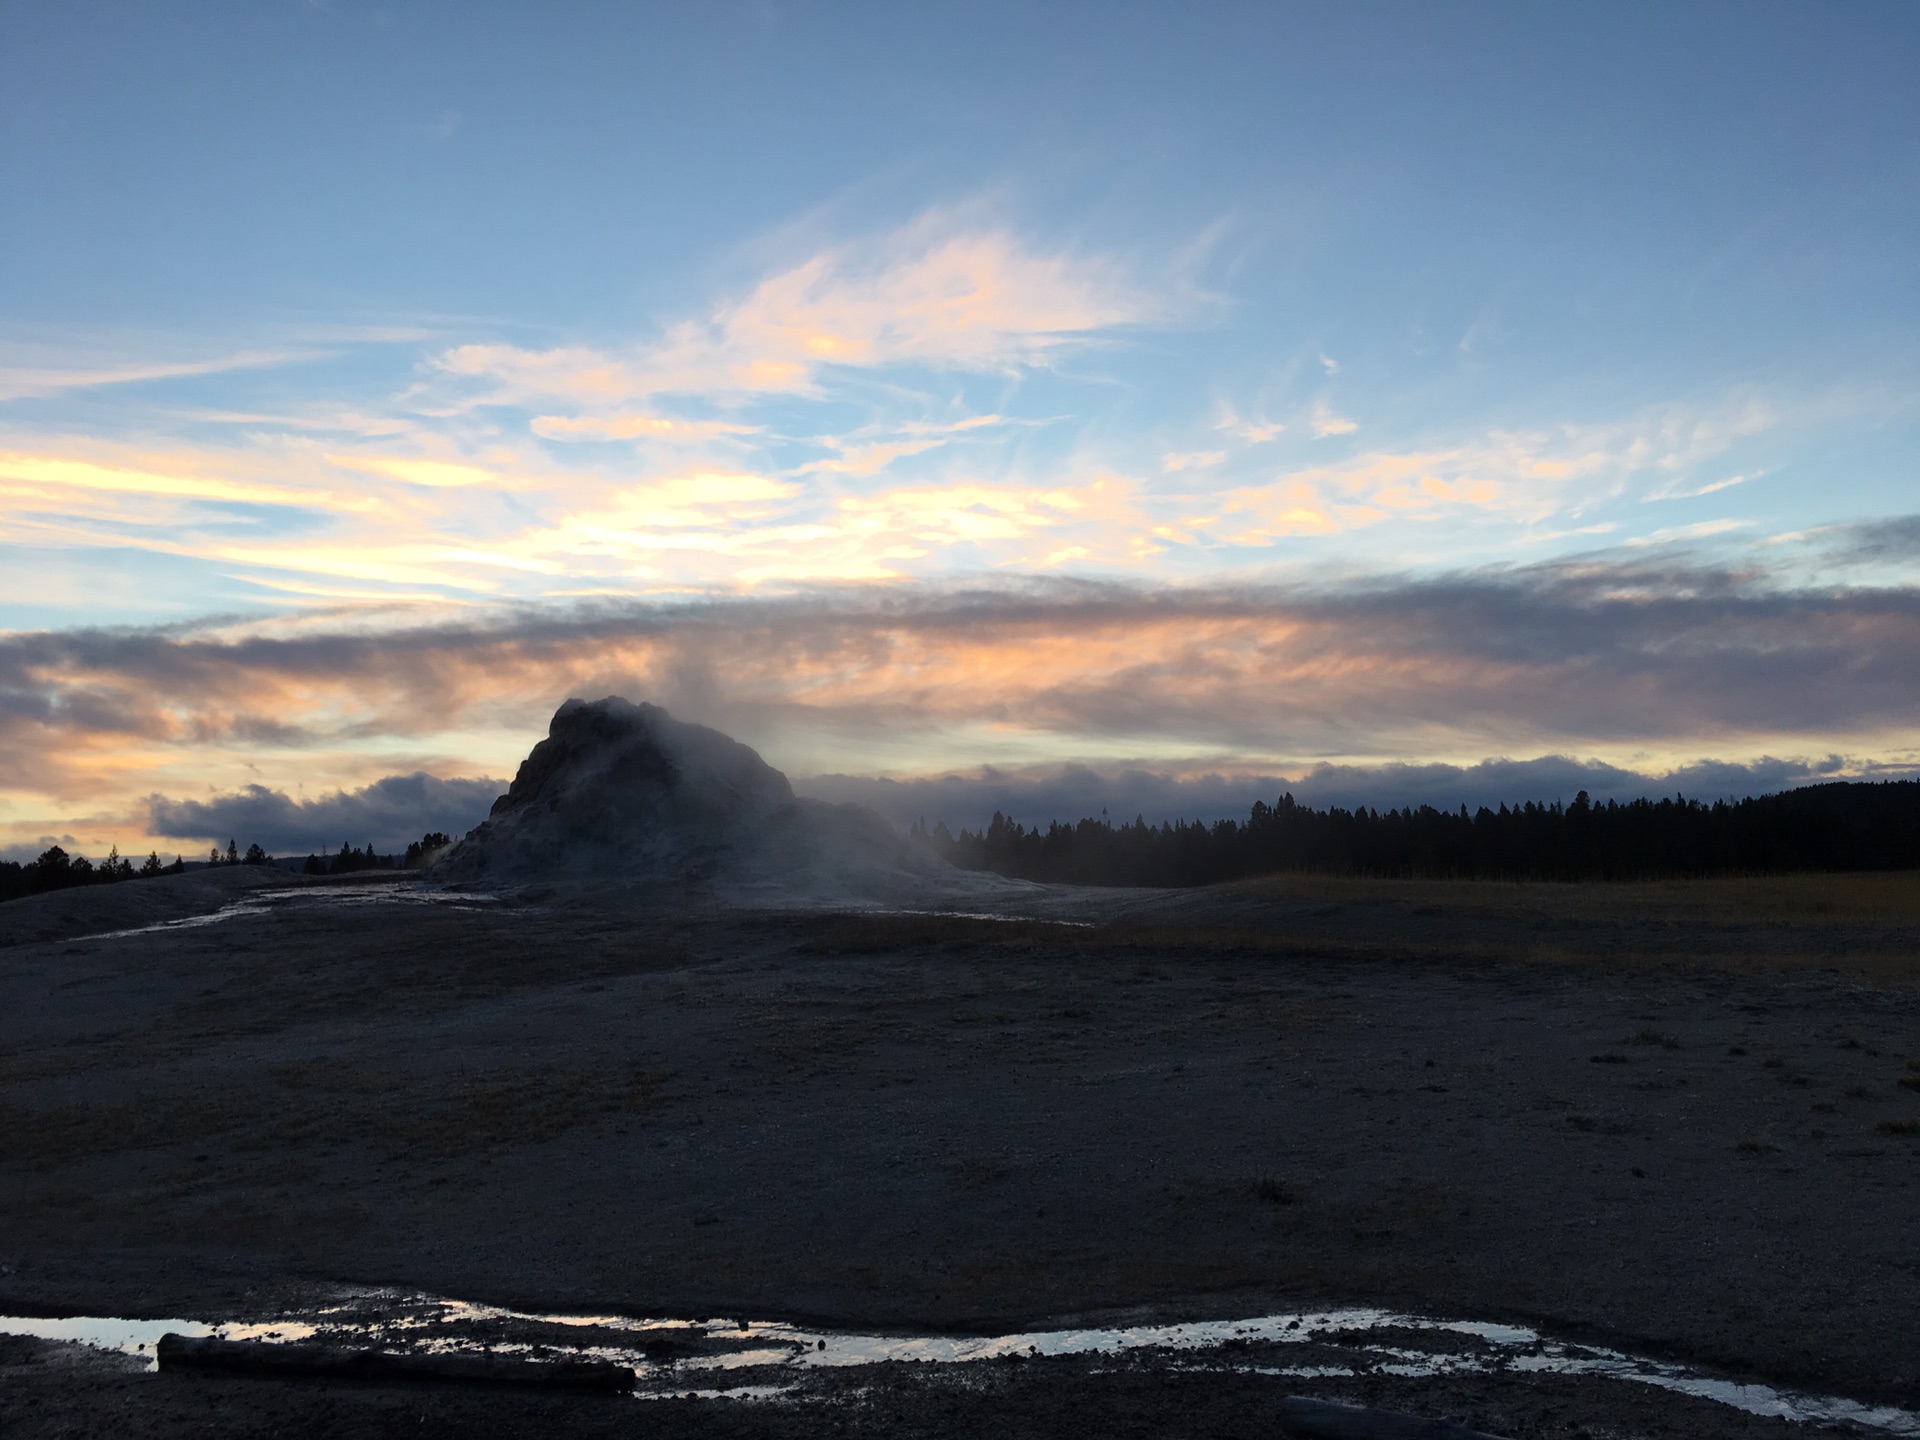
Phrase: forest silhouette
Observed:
(1832, 827)
(1838, 826)
(55, 869)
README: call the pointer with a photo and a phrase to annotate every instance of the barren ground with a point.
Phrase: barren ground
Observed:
(1670, 1118)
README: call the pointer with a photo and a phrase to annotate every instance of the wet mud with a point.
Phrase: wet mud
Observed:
(376, 1335)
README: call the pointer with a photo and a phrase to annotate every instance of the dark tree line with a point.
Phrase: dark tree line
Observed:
(55, 869)
(1841, 826)
(418, 855)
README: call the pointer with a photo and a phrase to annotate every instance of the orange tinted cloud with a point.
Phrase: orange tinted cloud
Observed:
(449, 506)
(1327, 422)
(51, 473)
(925, 295)
(437, 474)
(628, 426)
(864, 460)
(1621, 658)
(1521, 476)
(977, 301)
(1175, 461)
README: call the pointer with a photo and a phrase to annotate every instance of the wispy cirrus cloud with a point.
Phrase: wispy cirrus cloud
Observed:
(1695, 491)
(1175, 461)
(457, 509)
(416, 470)
(751, 530)
(878, 393)
(871, 458)
(927, 295)
(947, 514)
(26, 476)
(1249, 432)
(45, 363)
(301, 516)
(874, 448)
(634, 426)
(23, 379)
(1522, 476)
(1329, 422)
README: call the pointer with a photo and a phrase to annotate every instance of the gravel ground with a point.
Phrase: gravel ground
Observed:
(1669, 1119)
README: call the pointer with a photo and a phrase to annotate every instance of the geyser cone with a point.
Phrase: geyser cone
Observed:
(625, 795)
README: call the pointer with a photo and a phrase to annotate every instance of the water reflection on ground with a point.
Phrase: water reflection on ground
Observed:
(345, 897)
(759, 1360)
(414, 892)
(998, 918)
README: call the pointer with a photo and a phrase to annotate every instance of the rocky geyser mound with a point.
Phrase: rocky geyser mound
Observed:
(624, 795)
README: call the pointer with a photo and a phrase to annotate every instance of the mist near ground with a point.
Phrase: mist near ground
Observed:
(397, 809)
(1073, 792)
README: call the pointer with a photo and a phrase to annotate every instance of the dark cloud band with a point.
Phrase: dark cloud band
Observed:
(387, 814)
(1609, 653)
(1072, 792)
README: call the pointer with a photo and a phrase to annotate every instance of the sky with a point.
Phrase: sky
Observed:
(1049, 408)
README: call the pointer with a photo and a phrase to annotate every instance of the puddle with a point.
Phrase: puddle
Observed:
(409, 892)
(769, 1360)
(983, 915)
(138, 1337)
(398, 892)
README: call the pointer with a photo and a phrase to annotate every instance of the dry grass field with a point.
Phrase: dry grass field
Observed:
(1875, 898)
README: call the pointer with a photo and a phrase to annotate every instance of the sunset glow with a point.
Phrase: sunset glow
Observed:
(1292, 409)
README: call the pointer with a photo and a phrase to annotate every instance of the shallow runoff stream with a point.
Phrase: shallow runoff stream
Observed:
(763, 1360)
